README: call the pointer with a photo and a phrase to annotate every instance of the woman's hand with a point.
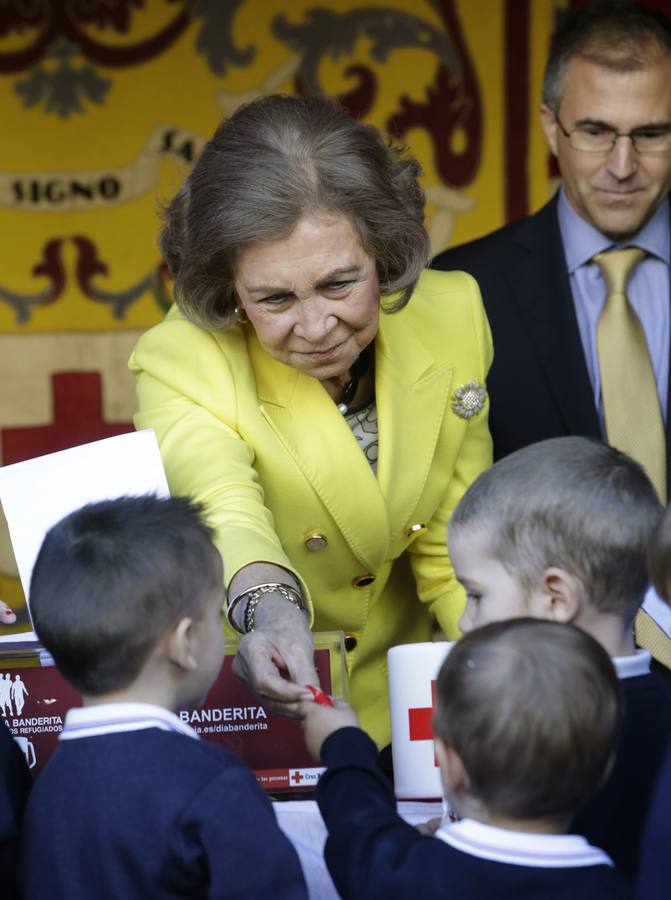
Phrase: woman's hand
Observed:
(276, 660)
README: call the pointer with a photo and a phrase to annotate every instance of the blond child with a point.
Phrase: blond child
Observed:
(526, 721)
(560, 530)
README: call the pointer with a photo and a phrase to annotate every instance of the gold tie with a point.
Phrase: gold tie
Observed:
(650, 635)
(634, 422)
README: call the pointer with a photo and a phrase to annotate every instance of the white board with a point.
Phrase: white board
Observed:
(37, 493)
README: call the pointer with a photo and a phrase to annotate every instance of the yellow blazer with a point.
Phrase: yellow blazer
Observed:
(264, 447)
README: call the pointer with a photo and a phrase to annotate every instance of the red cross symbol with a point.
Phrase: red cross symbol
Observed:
(297, 778)
(77, 402)
(419, 720)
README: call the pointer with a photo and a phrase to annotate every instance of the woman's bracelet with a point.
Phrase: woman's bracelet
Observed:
(253, 595)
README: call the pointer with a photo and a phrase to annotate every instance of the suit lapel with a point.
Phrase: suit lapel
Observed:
(542, 292)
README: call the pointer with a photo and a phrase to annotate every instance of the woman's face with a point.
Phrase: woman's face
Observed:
(313, 297)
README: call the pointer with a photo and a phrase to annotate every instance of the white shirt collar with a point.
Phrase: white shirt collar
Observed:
(632, 666)
(111, 718)
(521, 848)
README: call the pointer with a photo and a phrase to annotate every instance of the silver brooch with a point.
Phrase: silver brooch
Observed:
(469, 399)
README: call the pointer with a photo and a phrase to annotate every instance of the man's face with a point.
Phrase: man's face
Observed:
(618, 191)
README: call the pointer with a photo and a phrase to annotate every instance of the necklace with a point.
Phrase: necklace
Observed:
(358, 370)
(348, 394)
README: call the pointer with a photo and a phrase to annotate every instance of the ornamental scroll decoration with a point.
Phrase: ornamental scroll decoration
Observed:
(69, 51)
(453, 101)
(88, 265)
(61, 53)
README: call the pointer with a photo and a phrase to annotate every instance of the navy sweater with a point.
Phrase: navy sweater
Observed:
(615, 818)
(152, 814)
(372, 853)
(654, 881)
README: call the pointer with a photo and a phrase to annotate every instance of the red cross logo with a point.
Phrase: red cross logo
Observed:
(297, 777)
(419, 720)
(77, 418)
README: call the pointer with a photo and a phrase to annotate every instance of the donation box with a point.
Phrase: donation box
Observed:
(413, 669)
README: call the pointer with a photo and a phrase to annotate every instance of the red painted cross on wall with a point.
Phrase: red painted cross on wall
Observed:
(77, 405)
(419, 721)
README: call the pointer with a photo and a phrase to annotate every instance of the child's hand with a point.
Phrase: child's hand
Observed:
(429, 828)
(321, 721)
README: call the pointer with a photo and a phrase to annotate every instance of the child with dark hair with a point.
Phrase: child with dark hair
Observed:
(654, 882)
(127, 595)
(560, 530)
(526, 722)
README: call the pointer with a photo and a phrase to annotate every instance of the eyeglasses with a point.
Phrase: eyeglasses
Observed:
(600, 139)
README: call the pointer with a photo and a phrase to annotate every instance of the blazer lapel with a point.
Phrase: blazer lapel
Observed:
(412, 390)
(318, 439)
(542, 292)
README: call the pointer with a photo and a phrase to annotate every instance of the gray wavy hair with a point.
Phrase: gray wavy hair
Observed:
(272, 162)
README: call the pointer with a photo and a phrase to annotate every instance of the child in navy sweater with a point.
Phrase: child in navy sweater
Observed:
(526, 720)
(654, 881)
(127, 596)
(560, 530)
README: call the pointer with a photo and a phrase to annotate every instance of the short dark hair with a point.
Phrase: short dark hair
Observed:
(533, 710)
(569, 502)
(615, 34)
(659, 556)
(272, 162)
(109, 580)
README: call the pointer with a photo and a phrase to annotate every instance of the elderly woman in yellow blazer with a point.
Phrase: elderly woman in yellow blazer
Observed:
(318, 392)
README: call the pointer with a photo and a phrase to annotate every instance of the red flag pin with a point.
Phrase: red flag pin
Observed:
(319, 696)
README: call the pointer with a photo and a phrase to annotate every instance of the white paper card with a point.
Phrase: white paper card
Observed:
(37, 493)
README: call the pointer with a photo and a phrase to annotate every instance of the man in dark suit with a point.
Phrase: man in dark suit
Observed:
(606, 115)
